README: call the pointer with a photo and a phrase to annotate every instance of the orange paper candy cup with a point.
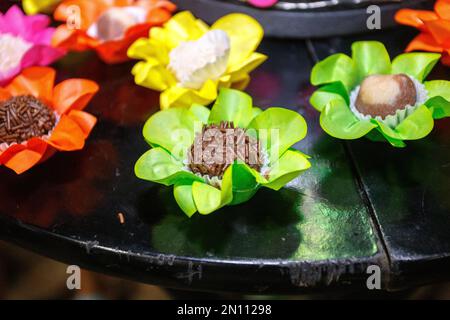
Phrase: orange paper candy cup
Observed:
(67, 99)
(114, 51)
(434, 29)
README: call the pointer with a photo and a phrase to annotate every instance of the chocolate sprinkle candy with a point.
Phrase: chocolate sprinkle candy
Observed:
(218, 146)
(24, 117)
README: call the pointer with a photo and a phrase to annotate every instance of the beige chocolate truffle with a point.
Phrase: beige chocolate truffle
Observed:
(113, 24)
(383, 95)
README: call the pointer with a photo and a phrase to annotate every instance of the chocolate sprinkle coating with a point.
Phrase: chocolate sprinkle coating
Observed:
(218, 146)
(24, 117)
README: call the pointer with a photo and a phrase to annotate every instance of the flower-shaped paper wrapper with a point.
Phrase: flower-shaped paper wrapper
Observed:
(171, 133)
(67, 99)
(113, 51)
(35, 6)
(434, 28)
(245, 35)
(33, 30)
(262, 3)
(339, 74)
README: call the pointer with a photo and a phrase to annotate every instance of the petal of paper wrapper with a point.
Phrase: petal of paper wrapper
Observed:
(184, 195)
(35, 6)
(209, 199)
(379, 135)
(160, 166)
(370, 57)
(153, 76)
(288, 167)
(439, 98)
(339, 121)
(151, 50)
(442, 8)
(337, 67)
(15, 22)
(111, 52)
(246, 65)
(434, 27)
(417, 65)
(85, 121)
(185, 199)
(416, 126)
(153, 73)
(201, 112)
(4, 94)
(73, 94)
(242, 83)
(40, 55)
(22, 159)
(232, 106)
(35, 31)
(115, 51)
(414, 18)
(256, 111)
(37, 81)
(289, 125)
(262, 3)
(332, 100)
(439, 107)
(76, 40)
(424, 42)
(172, 129)
(322, 96)
(440, 31)
(245, 35)
(183, 97)
(72, 129)
(89, 10)
(244, 185)
(239, 182)
(67, 135)
(182, 27)
(438, 88)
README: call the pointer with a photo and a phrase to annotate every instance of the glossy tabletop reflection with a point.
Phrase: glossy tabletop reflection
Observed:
(407, 189)
(360, 204)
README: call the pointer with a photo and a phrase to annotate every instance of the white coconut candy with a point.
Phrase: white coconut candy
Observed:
(401, 114)
(12, 50)
(114, 22)
(194, 62)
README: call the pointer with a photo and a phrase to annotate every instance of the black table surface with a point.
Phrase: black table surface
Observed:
(362, 203)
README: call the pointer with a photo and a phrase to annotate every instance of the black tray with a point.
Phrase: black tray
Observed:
(361, 204)
(305, 19)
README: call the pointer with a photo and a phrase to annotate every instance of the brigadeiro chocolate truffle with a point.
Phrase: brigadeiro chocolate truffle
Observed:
(384, 95)
(23, 118)
(216, 147)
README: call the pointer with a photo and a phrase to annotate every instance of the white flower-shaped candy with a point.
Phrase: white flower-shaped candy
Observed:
(114, 22)
(194, 62)
(12, 50)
